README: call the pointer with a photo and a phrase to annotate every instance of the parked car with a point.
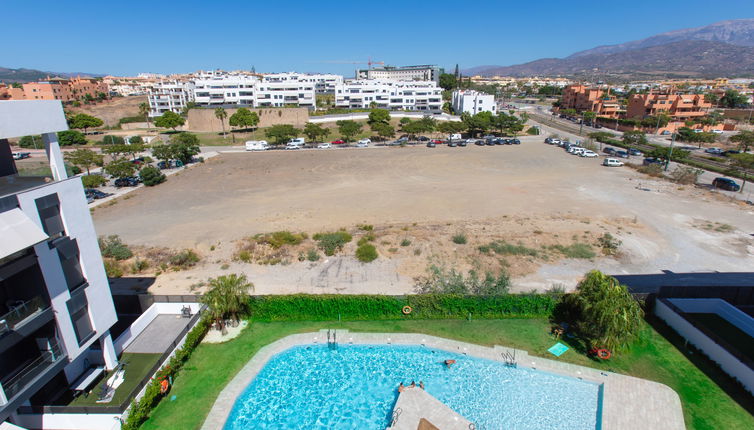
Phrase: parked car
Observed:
(365, 141)
(452, 144)
(609, 150)
(714, 151)
(462, 143)
(500, 141)
(324, 145)
(256, 145)
(515, 141)
(438, 141)
(717, 131)
(138, 161)
(589, 153)
(698, 130)
(731, 152)
(362, 143)
(337, 142)
(612, 162)
(650, 161)
(21, 155)
(576, 150)
(621, 154)
(169, 165)
(636, 152)
(489, 142)
(431, 144)
(479, 142)
(96, 194)
(423, 139)
(726, 184)
(471, 141)
(402, 139)
(130, 181)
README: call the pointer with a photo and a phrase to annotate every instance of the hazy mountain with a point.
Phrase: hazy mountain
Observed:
(722, 49)
(693, 58)
(735, 32)
(30, 75)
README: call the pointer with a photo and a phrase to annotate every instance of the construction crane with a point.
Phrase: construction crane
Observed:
(369, 62)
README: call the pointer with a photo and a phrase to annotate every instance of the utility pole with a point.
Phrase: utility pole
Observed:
(670, 151)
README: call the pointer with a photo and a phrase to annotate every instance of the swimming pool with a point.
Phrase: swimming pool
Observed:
(355, 387)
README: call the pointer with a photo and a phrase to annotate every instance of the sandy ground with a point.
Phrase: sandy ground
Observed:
(427, 195)
(111, 111)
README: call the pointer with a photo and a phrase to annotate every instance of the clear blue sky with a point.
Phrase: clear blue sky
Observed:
(127, 37)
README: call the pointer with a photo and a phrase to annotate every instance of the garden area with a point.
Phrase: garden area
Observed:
(652, 351)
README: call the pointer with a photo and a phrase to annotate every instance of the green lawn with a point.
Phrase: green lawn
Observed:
(705, 404)
(137, 366)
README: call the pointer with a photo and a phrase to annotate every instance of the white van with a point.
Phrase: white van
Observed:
(611, 162)
(456, 136)
(256, 145)
(299, 140)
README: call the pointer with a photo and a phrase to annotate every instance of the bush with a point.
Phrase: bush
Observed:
(132, 119)
(332, 242)
(312, 255)
(331, 307)
(685, 175)
(113, 247)
(366, 227)
(244, 256)
(112, 140)
(31, 142)
(609, 244)
(405, 242)
(654, 170)
(185, 258)
(504, 248)
(71, 137)
(139, 266)
(151, 176)
(459, 239)
(113, 269)
(439, 280)
(280, 238)
(366, 253)
(575, 250)
(93, 181)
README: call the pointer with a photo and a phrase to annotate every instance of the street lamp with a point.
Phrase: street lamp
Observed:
(670, 151)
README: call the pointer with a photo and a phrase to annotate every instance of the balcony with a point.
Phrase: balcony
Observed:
(34, 369)
(21, 313)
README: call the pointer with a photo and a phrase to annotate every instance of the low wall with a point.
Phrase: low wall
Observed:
(70, 421)
(720, 307)
(200, 119)
(138, 326)
(730, 364)
(134, 125)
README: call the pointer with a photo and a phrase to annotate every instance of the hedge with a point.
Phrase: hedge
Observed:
(305, 307)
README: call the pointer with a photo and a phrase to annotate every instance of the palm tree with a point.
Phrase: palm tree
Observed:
(221, 114)
(144, 111)
(228, 295)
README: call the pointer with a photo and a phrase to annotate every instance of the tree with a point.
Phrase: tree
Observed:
(383, 130)
(112, 139)
(744, 162)
(281, 133)
(315, 131)
(84, 159)
(451, 127)
(634, 137)
(71, 137)
(227, 296)
(745, 139)
(733, 99)
(31, 142)
(589, 116)
(221, 114)
(448, 81)
(144, 111)
(413, 128)
(348, 129)
(478, 123)
(185, 146)
(244, 118)
(116, 151)
(169, 119)
(84, 121)
(163, 153)
(666, 154)
(136, 140)
(151, 176)
(120, 168)
(604, 312)
(711, 98)
(378, 116)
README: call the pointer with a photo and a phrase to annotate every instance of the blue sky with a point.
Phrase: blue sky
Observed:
(128, 37)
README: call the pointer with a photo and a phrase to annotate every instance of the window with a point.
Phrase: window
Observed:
(78, 309)
(68, 252)
(49, 214)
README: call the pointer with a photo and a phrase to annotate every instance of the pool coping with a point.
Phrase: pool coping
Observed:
(627, 402)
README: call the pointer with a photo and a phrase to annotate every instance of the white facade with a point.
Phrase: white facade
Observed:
(472, 102)
(224, 90)
(56, 302)
(283, 89)
(405, 73)
(170, 96)
(391, 95)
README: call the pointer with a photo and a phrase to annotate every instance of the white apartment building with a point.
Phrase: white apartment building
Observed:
(170, 96)
(404, 73)
(472, 102)
(392, 95)
(283, 89)
(55, 302)
(219, 90)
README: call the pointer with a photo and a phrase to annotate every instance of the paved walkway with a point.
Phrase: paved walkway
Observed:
(627, 402)
(159, 334)
(415, 405)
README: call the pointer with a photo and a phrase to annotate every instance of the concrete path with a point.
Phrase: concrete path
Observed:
(159, 334)
(415, 405)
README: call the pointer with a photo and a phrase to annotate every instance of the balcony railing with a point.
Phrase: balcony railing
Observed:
(20, 380)
(19, 313)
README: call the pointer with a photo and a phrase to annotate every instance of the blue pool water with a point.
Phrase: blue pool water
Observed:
(355, 387)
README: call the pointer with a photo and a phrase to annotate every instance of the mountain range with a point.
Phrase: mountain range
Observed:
(722, 49)
(31, 75)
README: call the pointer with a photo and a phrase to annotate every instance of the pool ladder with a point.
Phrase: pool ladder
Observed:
(396, 413)
(509, 358)
(332, 341)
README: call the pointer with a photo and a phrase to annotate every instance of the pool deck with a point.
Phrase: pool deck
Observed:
(415, 404)
(627, 402)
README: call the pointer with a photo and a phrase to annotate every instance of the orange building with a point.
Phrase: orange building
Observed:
(10, 92)
(680, 107)
(583, 98)
(63, 89)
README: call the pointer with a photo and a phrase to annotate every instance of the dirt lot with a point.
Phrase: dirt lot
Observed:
(111, 111)
(534, 195)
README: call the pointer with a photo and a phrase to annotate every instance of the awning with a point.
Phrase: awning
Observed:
(18, 232)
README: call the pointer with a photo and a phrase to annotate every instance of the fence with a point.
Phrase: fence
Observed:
(736, 296)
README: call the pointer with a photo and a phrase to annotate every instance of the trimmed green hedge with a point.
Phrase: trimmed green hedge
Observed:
(304, 307)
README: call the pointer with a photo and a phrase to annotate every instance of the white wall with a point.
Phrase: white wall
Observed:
(133, 331)
(69, 421)
(720, 307)
(730, 364)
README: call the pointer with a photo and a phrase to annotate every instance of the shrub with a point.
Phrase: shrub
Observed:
(280, 238)
(139, 265)
(151, 176)
(366, 253)
(609, 244)
(312, 255)
(332, 242)
(459, 239)
(244, 256)
(366, 227)
(440, 280)
(654, 170)
(575, 250)
(331, 307)
(113, 269)
(93, 181)
(686, 175)
(504, 248)
(405, 242)
(185, 258)
(112, 140)
(113, 247)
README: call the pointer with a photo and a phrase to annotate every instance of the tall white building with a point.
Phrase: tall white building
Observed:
(169, 96)
(404, 73)
(56, 309)
(472, 102)
(392, 95)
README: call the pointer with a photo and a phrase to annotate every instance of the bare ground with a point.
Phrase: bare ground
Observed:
(534, 195)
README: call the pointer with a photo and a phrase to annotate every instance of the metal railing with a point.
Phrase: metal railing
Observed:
(23, 310)
(21, 379)
(396, 414)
